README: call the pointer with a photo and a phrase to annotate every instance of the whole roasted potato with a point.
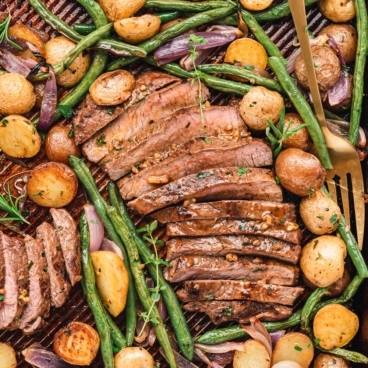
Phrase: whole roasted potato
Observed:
(17, 94)
(324, 360)
(120, 9)
(346, 37)
(138, 29)
(56, 50)
(327, 67)
(339, 11)
(259, 105)
(299, 172)
(136, 357)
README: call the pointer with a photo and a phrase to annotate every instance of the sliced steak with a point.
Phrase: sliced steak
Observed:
(242, 268)
(60, 286)
(240, 312)
(247, 245)
(238, 290)
(2, 271)
(155, 107)
(39, 287)
(67, 233)
(91, 117)
(289, 231)
(247, 210)
(214, 184)
(216, 153)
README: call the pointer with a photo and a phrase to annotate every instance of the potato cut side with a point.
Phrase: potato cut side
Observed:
(256, 4)
(254, 356)
(7, 356)
(136, 357)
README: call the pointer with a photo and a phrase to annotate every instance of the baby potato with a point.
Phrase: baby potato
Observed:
(138, 29)
(8, 358)
(17, 94)
(255, 355)
(120, 9)
(256, 4)
(112, 88)
(136, 357)
(339, 11)
(56, 50)
(334, 326)
(330, 361)
(322, 260)
(259, 105)
(19, 137)
(320, 214)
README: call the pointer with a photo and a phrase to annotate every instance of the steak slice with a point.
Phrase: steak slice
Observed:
(289, 231)
(68, 236)
(243, 268)
(137, 117)
(60, 286)
(2, 271)
(248, 245)
(224, 183)
(91, 117)
(39, 287)
(216, 153)
(241, 312)
(247, 210)
(238, 290)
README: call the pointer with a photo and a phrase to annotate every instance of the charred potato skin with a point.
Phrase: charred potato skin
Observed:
(330, 361)
(339, 11)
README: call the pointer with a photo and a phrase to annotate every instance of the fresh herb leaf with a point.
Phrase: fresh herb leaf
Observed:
(248, 67)
(65, 110)
(5, 122)
(298, 348)
(4, 33)
(320, 217)
(11, 208)
(71, 132)
(242, 170)
(2, 297)
(333, 218)
(110, 110)
(101, 140)
(205, 139)
(203, 175)
(310, 191)
(209, 297)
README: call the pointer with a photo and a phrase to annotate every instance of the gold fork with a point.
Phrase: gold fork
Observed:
(342, 153)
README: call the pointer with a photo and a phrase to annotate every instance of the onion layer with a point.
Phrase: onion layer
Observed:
(95, 227)
(12, 64)
(109, 245)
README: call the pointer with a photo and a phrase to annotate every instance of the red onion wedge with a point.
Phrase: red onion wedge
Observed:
(109, 245)
(19, 41)
(258, 332)
(95, 226)
(188, 63)
(220, 348)
(201, 355)
(276, 336)
(12, 64)
(340, 91)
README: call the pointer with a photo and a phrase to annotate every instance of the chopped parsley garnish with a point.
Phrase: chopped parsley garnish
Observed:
(241, 170)
(203, 175)
(101, 140)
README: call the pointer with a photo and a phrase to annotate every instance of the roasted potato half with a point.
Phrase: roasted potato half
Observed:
(136, 357)
(120, 9)
(339, 11)
(8, 358)
(255, 355)
(330, 361)
(256, 4)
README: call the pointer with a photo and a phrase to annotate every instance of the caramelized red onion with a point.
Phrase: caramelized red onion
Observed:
(259, 333)
(220, 348)
(12, 64)
(19, 41)
(340, 91)
(95, 226)
(276, 336)
(342, 128)
(109, 245)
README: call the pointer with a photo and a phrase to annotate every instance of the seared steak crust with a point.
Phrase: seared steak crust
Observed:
(2, 271)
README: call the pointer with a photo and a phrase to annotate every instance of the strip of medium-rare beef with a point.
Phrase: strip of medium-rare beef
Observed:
(289, 231)
(177, 129)
(91, 117)
(273, 212)
(141, 115)
(239, 311)
(238, 290)
(214, 184)
(67, 233)
(213, 154)
(247, 245)
(238, 268)
(39, 287)
(60, 286)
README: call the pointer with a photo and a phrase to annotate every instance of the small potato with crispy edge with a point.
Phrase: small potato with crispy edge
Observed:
(8, 358)
(78, 343)
(334, 326)
(120, 9)
(339, 11)
(324, 360)
(256, 5)
(136, 357)
(52, 185)
(255, 355)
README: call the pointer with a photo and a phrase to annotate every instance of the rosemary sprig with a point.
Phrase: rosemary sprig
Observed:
(4, 33)
(11, 208)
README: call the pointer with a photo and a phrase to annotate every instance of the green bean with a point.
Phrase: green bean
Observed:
(86, 178)
(93, 299)
(332, 116)
(188, 6)
(168, 16)
(95, 11)
(347, 354)
(177, 29)
(143, 293)
(358, 79)
(84, 28)
(170, 299)
(254, 78)
(278, 66)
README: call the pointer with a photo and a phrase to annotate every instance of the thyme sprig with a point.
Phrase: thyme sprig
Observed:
(4, 32)
(11, 208)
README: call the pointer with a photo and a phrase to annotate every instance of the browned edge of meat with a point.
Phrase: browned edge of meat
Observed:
(2, 271)
(273, 212)
(69, 239)
(289, 231)
(214, 154)
(239, 311)
(90, 117)
(214, 184)
(242, 268)
(137, 117)
(247, 245)
(38, 306)
(238, 290)
(166, 135)
(60, 286)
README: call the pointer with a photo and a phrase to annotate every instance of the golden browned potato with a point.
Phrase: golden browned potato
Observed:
(120, 9)
(330, 361)
(299, 172)
(77, 343)
(259, 105)
(327, 67)
(334, 326)
(17, 95)
(255, 355)
(322, 260)
(8, 358)
(56, 50)
(112, 88)
(346, 37)
(134, 357)
(52, 185)
(256, 4)
(320, 214)
(59, 144)
(339, 11)
(138, 29)
(19, 137)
